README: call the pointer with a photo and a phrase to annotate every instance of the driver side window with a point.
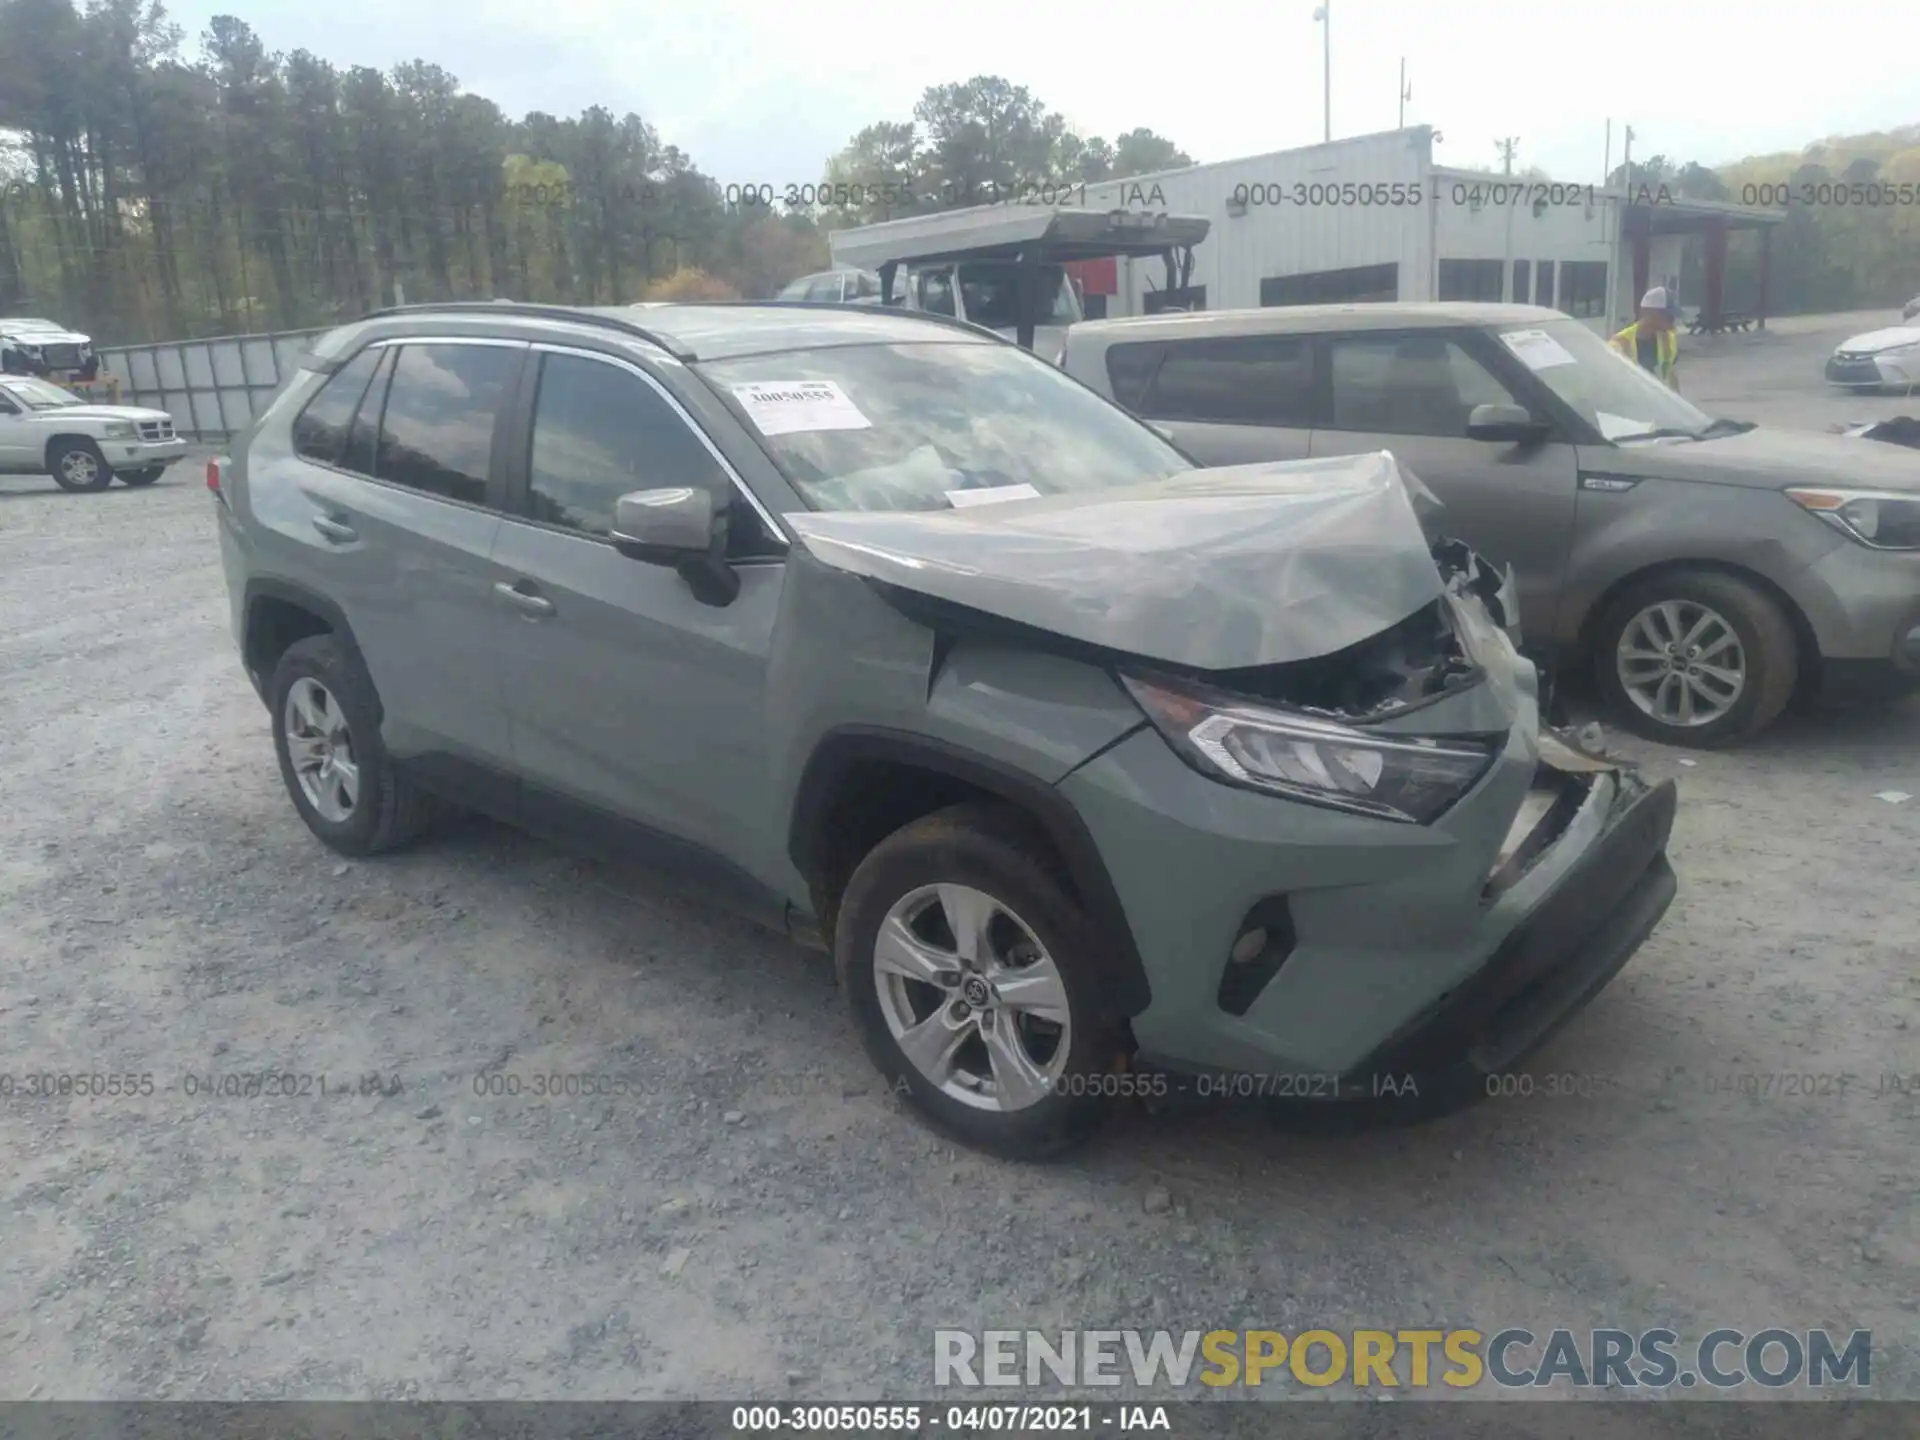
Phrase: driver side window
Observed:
(600, 432)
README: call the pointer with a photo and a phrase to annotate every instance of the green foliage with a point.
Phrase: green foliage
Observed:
(968, 142)
(145, 194)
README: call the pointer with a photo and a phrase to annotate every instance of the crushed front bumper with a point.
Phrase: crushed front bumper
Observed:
(1580, 930)
(1420, 952)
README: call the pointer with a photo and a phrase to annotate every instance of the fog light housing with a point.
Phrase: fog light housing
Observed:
(1265, 941)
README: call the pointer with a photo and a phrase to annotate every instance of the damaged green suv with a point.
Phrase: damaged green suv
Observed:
(1078, 758)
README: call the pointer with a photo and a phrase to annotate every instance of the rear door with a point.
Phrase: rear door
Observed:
(631, 701)
(21, 448)
(1230, 400)
(1410, 392)
(402, 494)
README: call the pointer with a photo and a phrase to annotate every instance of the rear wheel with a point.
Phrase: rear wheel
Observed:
(78, 465)
(1695, 658)
(327, 736)
(141, 477)
(971, 973)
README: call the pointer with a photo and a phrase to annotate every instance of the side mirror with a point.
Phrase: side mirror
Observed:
(1512, 423)
(683, 528)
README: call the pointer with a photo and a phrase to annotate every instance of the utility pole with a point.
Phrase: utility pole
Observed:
(1619, 228)
(1506, 148)
(1406, 92)
(1324, 14)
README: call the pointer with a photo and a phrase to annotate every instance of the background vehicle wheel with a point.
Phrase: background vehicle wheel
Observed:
(328, 741)
(142, 477)
(79, 465)
(1696, 658)
(972, 976)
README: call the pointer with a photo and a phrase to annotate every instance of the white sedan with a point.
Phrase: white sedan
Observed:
(1881, 359)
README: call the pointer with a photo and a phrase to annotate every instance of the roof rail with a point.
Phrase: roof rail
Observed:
(579, 316)
(951, 321)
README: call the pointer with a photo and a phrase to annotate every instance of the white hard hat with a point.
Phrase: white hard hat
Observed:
(1654, 299)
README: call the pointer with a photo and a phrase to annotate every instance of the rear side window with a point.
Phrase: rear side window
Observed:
(1238, 380)
(436, 433)
(320, 430)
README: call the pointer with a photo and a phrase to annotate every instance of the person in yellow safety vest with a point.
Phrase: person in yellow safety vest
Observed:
(1651, 341)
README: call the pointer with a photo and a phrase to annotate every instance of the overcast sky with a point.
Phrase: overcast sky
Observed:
(759, 92)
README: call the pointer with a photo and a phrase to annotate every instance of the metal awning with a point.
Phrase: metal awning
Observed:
(1007, 232)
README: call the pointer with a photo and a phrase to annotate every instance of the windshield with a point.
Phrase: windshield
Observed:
(988, 289)
(1621, 400)
(37, 394)
(929, 425)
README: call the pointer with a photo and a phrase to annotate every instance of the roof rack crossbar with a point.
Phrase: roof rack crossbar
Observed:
(542, 312)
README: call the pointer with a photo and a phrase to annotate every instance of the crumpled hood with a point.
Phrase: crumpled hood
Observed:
(1767, 459)
(1213, 569)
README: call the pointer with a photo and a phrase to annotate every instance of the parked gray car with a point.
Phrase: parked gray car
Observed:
(1704, 571)
(1099, 775)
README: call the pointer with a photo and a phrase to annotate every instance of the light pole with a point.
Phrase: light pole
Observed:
(1324, 14)
(1406, 92)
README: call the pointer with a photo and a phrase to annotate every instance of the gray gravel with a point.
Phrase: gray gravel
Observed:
(758, 1216)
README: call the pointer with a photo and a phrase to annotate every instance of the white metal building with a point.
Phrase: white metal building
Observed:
(1373, 218)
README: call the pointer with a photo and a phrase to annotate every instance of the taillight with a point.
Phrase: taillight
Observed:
(213, 475)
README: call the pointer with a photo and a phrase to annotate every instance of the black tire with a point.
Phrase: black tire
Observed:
(1766, 636)
(993, 849)
(142, 477)
(389, 810)
(63, 454)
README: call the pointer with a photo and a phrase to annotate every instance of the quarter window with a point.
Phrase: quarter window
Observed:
(436, 433)
(321, 428)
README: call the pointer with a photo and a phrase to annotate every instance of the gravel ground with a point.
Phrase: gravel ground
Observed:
(761, 1217)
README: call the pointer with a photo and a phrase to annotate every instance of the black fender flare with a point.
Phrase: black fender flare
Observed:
(842, 749)
(260, 588)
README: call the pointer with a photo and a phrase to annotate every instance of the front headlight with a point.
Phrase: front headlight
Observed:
(118, 430)
(1391, 777)
(1882, 519)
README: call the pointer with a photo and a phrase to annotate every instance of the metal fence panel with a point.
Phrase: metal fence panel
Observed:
(212, 387)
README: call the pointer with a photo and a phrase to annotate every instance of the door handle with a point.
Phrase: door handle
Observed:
(335, 530)
(534, 607)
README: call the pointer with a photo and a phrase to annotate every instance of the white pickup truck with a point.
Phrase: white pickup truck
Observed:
(45, 430)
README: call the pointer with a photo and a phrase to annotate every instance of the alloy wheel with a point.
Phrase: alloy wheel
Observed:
(79, 467)
(972, 997)
(1681, 663)
(321, 748)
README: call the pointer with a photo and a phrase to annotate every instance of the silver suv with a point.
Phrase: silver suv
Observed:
(1703, 571)
(890, 631)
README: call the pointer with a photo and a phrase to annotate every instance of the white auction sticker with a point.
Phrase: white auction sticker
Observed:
(1537, 349)
(961, 499)
(786, 407)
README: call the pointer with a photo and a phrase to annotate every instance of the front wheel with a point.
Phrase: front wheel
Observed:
(972, 975)
(1695, 658)
(141, 477)
(78, 465)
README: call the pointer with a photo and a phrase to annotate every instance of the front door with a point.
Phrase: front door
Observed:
(1411, 393)
(20, 448)
(633, 706)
